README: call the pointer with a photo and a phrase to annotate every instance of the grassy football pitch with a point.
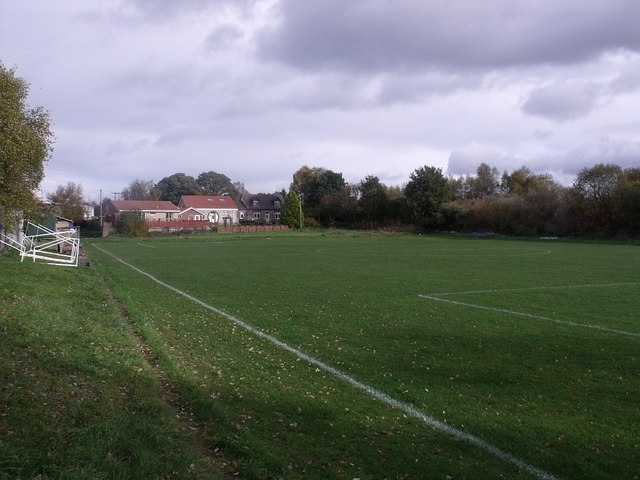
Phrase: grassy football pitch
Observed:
(388, 356)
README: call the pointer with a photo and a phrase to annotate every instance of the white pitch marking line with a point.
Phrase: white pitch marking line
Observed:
(529, 315)
(145, 245)
(377, 394)
(558, 287)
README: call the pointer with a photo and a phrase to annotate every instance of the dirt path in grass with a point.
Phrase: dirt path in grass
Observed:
(184, 415)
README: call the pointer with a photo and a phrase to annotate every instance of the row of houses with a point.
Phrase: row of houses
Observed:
(216, 209)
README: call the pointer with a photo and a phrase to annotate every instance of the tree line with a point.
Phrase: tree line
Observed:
(604, 199)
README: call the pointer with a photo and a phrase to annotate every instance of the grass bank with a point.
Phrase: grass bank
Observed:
(77, 400)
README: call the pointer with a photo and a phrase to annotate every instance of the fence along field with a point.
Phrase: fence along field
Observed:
(536, 387)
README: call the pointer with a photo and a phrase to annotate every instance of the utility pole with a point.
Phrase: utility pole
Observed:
(101, 216)
(300, 195)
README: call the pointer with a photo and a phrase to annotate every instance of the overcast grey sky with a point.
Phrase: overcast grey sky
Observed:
(255, 89)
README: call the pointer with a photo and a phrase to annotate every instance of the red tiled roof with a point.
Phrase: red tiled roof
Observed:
(208, 202)
(145, 205)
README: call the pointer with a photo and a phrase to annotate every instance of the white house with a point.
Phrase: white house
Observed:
(218, 209)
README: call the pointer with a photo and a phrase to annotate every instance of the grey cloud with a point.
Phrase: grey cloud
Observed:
(177, 134)
(120, 148)
(628, 80)
(378, 35)
(323, 92)
(418, 88)
(563, 100)
(167, 9)
(223, 36)
(540, 134)
(622, 152)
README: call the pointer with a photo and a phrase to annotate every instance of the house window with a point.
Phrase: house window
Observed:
(276, 215)
(256, 215)
(256, 203)
(241, 215)
(276, 204)
(266, 216)
(168, 216)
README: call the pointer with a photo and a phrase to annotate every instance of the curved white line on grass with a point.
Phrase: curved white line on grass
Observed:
(537, 317)
(377, 394)
(557, 287)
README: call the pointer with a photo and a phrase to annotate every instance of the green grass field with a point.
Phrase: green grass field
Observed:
(502, 358)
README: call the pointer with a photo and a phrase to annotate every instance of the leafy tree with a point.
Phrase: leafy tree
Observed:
(425, 192)
(300, 178)
(312, 184)
(596, 185)
(458, 187)
(68, 201)
(626, 202)
(593, 191)
(486, 183)
(140, 190)
(373, 201)
(519, 182)
(214, 183)
(546, 208)
(25, 144)
(523, 181)
(173, 187)
(132, 223)
(399, 209)
(291, 214)
(318, 183)
(337, 208)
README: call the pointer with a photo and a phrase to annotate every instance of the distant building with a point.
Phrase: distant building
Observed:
(261, 207)
(218, 209)
(89, 212)
(151, 210)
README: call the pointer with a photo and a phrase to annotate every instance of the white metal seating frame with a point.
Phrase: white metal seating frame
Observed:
(54, 248)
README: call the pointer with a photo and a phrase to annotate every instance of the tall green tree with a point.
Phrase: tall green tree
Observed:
(68, 201)
(593, 191)
(486, 183)
(626, 203)
(338, 208)
(425, 192)
(291, 212)
(214, 183)
(326, 182)
(523, 181)
(596, 185)
(300, 177)
(373, 201)
(173, 187)
(25, 145)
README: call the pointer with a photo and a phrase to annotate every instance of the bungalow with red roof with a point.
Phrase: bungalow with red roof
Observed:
(218, 209)
(151, 210)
